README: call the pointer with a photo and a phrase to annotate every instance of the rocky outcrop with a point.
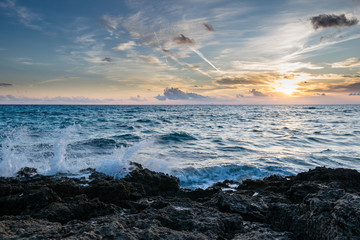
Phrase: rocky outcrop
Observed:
(319, 204)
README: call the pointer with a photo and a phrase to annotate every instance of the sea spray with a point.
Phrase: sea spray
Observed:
(12, 159)
(118, 164)
(59, 164)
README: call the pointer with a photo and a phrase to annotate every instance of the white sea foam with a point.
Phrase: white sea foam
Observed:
(12, 157)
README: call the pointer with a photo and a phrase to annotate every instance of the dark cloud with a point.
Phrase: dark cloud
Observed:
(235, 81)
(332, 20)
(256, 93)
(354, 94)
(183, 40)
(177, 94)
(209, 27)
(165, 50)
(107, 59)
(5, 84)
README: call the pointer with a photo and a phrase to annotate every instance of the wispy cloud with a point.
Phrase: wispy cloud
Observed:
(125, 46)
(150, 60)
(348, 63)
(58, 79)
(23, 15)
(29, 61)
(111, 24)
(238, 81)
(54, 100)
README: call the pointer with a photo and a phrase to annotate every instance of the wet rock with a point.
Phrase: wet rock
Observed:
(27, 172)
(319, 204)
(250, 208)
(154, 183)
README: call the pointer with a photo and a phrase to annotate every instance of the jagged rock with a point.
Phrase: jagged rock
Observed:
(319, 204)
(27, 172)
(248, 207)
(154, 183)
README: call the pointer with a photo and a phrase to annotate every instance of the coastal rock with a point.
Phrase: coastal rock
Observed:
(320, 204)
(154, 183)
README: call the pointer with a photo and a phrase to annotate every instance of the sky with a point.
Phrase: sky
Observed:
(180, 52)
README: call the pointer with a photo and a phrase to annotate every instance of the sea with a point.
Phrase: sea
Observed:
(199, 144)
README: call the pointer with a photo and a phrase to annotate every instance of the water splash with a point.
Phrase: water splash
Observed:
(118, 164)
(59, 164)
(12, 158)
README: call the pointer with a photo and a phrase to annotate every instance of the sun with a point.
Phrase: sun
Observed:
(287, 86)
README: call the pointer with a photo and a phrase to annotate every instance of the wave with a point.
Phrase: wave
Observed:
(204, 177)
(176, 137)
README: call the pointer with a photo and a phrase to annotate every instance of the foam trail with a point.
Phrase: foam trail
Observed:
(204, 58)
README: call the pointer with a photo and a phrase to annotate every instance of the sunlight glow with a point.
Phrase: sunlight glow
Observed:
(287, 86)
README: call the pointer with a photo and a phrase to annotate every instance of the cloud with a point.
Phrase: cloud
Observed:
(337, 87)
(85, 39)
(125, 46)
(23, 14)
(54, 100)
(111, 24)
(138, 98)
(150, 60)
(253, 78)
(183, 40)
(107, 59)
(351, 75)
(354, 94)
(209, 27)
(5, 84)
(58, 79)
(332, 20)
(165, 50)
(348, 63)
(274, 66)
(235, 81)
(256, 93)
(177, 94)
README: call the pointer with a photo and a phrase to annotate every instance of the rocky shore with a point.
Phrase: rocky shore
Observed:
(319, 204)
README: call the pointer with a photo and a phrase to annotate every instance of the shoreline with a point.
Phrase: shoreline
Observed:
(322, 203)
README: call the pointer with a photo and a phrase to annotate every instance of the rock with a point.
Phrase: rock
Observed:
(27, 172)
(154, 183)
(319, 204)
(248, 207)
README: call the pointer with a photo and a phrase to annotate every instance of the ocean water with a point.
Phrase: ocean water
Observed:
(199, 144)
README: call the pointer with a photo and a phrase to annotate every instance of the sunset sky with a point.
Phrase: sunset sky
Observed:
(180, 52)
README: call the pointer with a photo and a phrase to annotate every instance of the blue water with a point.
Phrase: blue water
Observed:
(199, 144)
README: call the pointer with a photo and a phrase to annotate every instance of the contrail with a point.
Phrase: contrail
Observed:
(157, 39)
(204, 58)
(187, 65)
